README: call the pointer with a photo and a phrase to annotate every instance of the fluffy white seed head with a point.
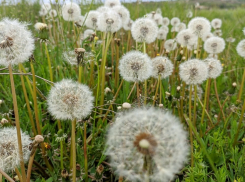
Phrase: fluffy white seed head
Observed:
(123, 13)
(53, 13)
(218, 33)
(87, 33)
(241, 48)
(109, 21)
(92, 19)
(9, 150)
(71, 11)
(230, 39)
(162, 34)
(199, 92)
(135, 66)
(189, 14)
(207, 36)
(186, 37)
(192, 47)
(216, 23)
(152, 133)
(144, 30)
(165, 21)
(68, 99)
(193, 71)
(158, 19)
(128, 25)
(214, 45)
(175, 21)
(103, 9)
(43, 12)
(16, 42)
(80, 21)
(200, 26)
(170, 45)
(164, 28)
(174, 29)
(162, 67)
(112, 3)
(214, 67)
(181, 26)
(46, 6)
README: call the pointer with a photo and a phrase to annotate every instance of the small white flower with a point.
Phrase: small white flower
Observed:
(135, 66)
(144, 30)
(107, 90)
(234, 84)
(193, 71)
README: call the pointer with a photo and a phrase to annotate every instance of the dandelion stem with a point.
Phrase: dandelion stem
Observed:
(17, 122)
(217, 96)
(73, 150)
(195, 106)
(155, 96)
(131, 91)
(144, 51)
(117, 64)
(80, 70)
(49, 63)
(204, 104)
(190, 129)
(61, 155)
(241, 87)
(18, 174)
(30, 165)
(85, 151)
(6, 176)
(240, 124)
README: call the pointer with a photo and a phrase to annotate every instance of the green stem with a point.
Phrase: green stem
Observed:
(74, 151)
(205, 101)
(85, 151)
(190, 129)
(145, 94)
(241, 87)
(61, 155)
(49, 63)
(17, 122)
(195, 105)
(80, 70)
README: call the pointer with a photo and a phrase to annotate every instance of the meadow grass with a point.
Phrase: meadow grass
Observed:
(219, 150)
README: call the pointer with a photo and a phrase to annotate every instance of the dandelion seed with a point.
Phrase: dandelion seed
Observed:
(165, 21)
(175, 21)
(144, 30)
(71, 11)
(92, 19)
(170, 45)
(109, 21)
(112, 3)
(241, 48)
(147, 139)
(123, 13)
(9, 150)
(216, 23)
(52, 13)
(162, 67)
(200, 26)
(193, 71)
(214, 45)
(135, 66)
(214, 67)
(70, 100)
(186, 37)
(128, 25)
(16, 42)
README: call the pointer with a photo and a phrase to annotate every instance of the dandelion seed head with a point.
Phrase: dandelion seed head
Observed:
(164, 28)
(199, 25)
(193, 71)
(40, 26)
(46, 6)
(9, 151)
(241, 48)
(207, 36)
(88, 33)
(162, 67)
(112, 3)
(128, 25)
(68, 100)
(103, 9)
(181, 26)
(214, 45)
(159, 11)
(123, 13)
(16, 42)
(230, 39)
(144, 30)
(175, 21)
(199, 92)
(165, 21)
(158, 19)
(162, 34)
(170, 45)
(218, 33)
(109, 21)
(92, 19)
(135, 66)
(189, 14)
(216, 23)
(186, 37)
(71, 11)
(214, 67)
(80, 21)
(147, 132)
(53, 13)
